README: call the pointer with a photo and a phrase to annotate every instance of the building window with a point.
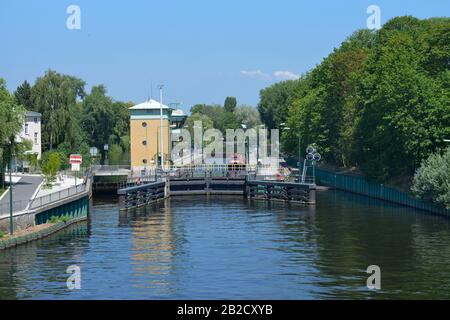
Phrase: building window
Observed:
(144, 142)
(35, 138)
(144, 124)
(26, 128)
(144, 161)
(35, 120)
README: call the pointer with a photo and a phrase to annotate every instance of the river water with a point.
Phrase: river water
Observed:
(228, 248)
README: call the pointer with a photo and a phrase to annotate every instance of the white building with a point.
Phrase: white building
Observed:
(31, 130)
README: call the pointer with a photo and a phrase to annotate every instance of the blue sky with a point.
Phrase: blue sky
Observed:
(202, 50)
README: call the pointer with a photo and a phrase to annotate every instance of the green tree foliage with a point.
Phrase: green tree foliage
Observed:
(98, 117)
(222, 119)
(379, 102)
(247, 115)
(11, 119)
(405, 110)
(55, 96)
(230, 104)
(213, 112)
(275, 101)
(51, 163)
(73, 121)
(115, 154)
(432, 180)
(204, 119)
(24, 96)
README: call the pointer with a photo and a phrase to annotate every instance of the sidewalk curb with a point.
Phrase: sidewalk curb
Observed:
(35, 194)
(4, 193)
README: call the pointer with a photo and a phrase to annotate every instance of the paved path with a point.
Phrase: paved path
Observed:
(22, 193)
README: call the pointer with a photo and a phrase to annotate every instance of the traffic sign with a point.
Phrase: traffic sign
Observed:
(76, 159)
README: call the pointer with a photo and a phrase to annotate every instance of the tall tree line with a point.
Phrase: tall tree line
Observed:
(379, 102)
(74, 120)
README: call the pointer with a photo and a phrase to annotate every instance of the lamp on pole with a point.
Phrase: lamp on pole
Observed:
(11, 226)
(161, 144)
(247, 152)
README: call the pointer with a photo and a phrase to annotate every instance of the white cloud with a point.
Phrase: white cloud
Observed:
(255, 74)
(285, 75)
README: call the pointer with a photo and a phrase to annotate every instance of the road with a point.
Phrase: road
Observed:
(22, 193)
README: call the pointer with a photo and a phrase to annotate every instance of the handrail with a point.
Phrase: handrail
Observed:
(57, 196)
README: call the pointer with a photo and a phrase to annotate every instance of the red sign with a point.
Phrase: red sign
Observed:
(76, 159)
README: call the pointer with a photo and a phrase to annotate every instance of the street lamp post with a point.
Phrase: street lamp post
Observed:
(161, 144)
(247, 152)
(11, 227)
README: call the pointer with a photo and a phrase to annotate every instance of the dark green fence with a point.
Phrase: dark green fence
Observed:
(359, 185)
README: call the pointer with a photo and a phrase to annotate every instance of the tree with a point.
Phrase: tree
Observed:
(405, 112)
(275, 101)
(228, 120)
(115, 154)
(230, 104)
(432, 180)
(11, 119)
(247, 115)
(379, 102)
(24, 96)
(50, 167)
(98, 117)
(213, 112)
(205, 120)
(55, 96)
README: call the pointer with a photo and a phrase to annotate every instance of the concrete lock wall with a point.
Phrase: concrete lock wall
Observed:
(20, 222)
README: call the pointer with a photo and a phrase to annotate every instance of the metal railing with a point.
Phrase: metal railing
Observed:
(134, 181)
(17, 206)
(100, 168)
(56, 196)
(359, 185)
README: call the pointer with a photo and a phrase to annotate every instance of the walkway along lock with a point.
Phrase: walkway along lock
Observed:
(199, 181)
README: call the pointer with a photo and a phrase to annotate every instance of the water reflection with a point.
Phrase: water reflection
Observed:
(227, 247)
(409, 246)
(24, 269)
(154, 247)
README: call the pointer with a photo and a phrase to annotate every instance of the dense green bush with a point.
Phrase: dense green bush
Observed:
(1, 234)
(432, 179)
(56, 219)
(50, 167)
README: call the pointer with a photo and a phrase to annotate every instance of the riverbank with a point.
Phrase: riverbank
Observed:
(358, 185)
(36, 232)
